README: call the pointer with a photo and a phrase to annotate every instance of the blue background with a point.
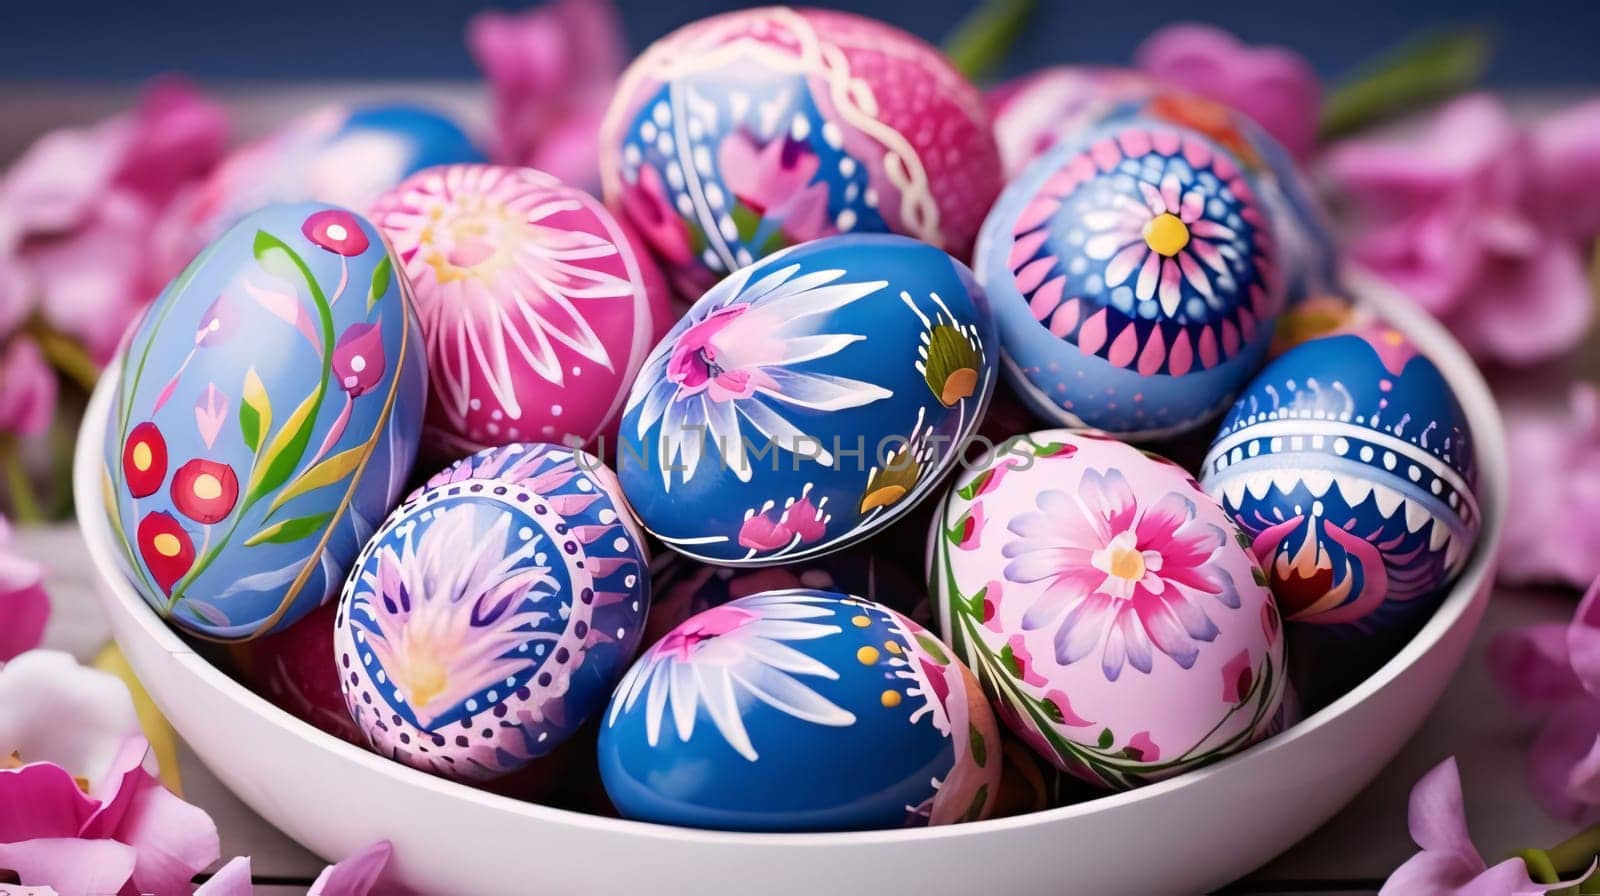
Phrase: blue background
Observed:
(1540, 41)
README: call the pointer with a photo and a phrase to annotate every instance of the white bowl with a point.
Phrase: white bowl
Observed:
(1188, 834)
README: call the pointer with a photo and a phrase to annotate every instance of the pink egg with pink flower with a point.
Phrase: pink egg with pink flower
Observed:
(1110, 607)
(537, 305)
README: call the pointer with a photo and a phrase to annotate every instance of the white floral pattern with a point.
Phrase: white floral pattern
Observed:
(731, 654)
(734, 366)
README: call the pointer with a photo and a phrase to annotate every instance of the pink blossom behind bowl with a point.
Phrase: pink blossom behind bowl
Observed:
(24, 605)
(81, 206)
(1553, 527)
(1273, 85)
(551, 71)
(1458, 217)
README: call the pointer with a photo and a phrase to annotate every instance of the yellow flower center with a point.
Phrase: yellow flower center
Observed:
(473, 240)
(166, 544)
(1166, 234)
(142, 456)
(1126, 563)
(207, 487)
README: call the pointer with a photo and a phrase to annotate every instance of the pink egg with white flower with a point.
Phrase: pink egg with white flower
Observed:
(536, 304)
(1110, 607)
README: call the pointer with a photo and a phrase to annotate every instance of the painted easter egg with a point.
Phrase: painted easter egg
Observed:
(807, 400)
(295, 670)
(537, 305)
(1055, 104)
(340, 155)
(267, 412)
(680, 587)
(1350, 463)
(493, 612)
(1133, 279)
(800, 710)
(1308, 255)
(1110, 607)
(747, 132)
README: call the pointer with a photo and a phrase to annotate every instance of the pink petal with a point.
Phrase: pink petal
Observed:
(1181, 357)
(1045, 299)
(1527, 309)
(1531, 666)
(27, 390)
(174, 840)
(1273, 85)
(41, 800)
(1566, 149)
(1034, 273)
(70, 865)
(1065, 318)
(1092, 335)
(1153, 353)
(1125, 348)
(1026, 246)
(24, 605)
(1437, 816)
(232, 879)
(1562, 763)
(1559, 467)
(1583, 640)
(356, 875)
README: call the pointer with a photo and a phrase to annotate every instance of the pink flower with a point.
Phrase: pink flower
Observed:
(1237, 675)
(1142, 744)
(1460, 218)
(1449, 865)
(337, 231)
(1121, 577)
(776, 182)
(551, 72)
(27, 389)
(82, 208)
(24, 605)
(1554, 671)
(1273, 85)
(85, 814)
(769, 528)
(358, 359)
(1553, 529)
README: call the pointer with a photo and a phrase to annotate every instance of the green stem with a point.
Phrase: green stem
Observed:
(24, 500)
(67, 356)
(1424, 70)
(1569, 857)
(982, 39)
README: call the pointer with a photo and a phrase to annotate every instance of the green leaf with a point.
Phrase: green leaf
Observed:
(290, 530)
(255, 411)
(1052, 711)
(1106, 738)
(380, 282)
(1426, 69)
(975, 602)
(980, 749)
(285, 449)
(984, 37)
(334, 469)
(975, 810)
(931, 646)
(276, 258)
(745, 220)
(971, 489)
(1009, 657)
(1051, 449)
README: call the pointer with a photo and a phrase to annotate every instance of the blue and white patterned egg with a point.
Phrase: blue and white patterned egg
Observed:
(807, 400)
(800, 710)
(345, 156)
(267, 414)
(1134, 278)
(493, 612)
(1350, 463)
(1308, 255)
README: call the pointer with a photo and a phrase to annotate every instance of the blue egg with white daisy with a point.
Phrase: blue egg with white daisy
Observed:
(800, 710)
(808, 400)
(1135, 276)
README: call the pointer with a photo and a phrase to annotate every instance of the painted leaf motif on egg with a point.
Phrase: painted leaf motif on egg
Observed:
(261, 513)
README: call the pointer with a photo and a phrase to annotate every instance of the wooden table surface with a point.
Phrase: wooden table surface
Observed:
(1352, 854)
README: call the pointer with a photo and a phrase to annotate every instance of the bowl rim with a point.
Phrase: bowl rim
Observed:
(1458, 368)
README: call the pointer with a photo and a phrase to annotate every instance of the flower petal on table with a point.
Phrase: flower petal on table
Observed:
(70, 865)
(356, 875)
